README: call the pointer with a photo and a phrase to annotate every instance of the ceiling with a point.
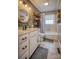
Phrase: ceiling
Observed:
(39, 4)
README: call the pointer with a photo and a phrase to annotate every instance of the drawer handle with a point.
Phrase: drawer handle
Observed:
(23, 39)
(25, 57)
(25, 46)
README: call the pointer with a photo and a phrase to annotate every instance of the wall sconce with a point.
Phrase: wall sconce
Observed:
(20, 2)
(25, 5)
(29, 8)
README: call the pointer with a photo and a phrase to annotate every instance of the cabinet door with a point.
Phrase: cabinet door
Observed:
(23, 48)
(33, 44)
(33, 41)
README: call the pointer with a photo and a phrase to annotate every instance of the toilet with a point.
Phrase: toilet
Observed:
(42, 35)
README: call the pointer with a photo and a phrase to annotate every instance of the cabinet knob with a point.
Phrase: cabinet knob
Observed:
(25, 57)
(23, 39)
(25, 46)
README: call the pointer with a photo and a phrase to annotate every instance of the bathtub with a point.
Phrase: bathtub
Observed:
(51, 35)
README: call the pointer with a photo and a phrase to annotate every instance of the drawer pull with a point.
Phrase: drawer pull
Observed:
(25, 46)
(23, 39)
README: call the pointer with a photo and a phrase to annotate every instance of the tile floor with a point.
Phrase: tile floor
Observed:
(52, 49)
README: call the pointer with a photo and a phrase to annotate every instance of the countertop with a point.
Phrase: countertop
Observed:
(21, 32)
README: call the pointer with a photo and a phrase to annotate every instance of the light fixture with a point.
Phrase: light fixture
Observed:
(25, 5)
(29, 8)
(20, 2)
(46, 4)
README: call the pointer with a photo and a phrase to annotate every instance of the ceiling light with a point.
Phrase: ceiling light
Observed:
(45, 4)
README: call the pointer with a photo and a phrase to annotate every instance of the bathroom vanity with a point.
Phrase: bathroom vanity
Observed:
(28, 42)
(27, 37)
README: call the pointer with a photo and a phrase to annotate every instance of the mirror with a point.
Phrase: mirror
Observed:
(23, 17)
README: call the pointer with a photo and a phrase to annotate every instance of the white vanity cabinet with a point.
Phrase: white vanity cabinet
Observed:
(23, 47)
(28, 42)
(33, 41)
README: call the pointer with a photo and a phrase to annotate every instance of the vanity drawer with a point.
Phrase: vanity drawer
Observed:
(23, 38)
(22, 48)
(25, 56)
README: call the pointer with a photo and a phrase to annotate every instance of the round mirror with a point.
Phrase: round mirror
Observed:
(23, 17)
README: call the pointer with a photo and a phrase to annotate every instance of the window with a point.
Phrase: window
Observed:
(49, 19)
(49, 22)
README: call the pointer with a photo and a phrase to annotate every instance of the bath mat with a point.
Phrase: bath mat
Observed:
(40, 53)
